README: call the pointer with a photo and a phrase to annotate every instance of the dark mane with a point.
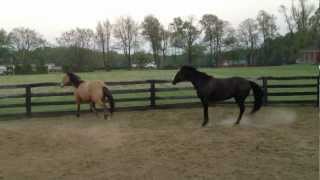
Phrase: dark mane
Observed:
(195, 71)
(75, 79)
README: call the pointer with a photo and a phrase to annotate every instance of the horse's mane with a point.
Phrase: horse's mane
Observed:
(75, 79)
(195, 71)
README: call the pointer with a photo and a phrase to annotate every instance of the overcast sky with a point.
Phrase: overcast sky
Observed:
(51, 17)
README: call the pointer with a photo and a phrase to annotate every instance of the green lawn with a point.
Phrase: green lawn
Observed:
(124, 75)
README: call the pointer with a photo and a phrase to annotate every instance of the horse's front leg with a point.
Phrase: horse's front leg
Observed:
(78, 109)
(205, 105)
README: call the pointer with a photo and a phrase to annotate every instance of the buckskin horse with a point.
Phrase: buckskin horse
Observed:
(211, 89)
(93, 92)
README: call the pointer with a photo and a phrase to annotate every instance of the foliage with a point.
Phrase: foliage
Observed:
(151, 30)
(185, 41)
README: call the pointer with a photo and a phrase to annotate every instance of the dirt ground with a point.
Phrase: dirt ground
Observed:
(276, 143)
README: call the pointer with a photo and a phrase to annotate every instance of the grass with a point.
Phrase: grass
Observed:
(125, 75)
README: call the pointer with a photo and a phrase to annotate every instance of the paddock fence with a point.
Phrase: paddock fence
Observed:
(23, 100)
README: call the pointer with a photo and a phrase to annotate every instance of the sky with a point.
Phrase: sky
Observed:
(52, 17)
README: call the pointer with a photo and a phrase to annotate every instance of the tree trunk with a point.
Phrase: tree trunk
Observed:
(129, 58)
(190, 55)
(211, 54)
(104, 59)
(163, 55)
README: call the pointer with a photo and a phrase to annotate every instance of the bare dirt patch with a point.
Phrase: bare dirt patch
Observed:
(276, 143)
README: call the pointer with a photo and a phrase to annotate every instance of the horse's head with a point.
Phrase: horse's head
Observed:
(184, 74)
(70, 79)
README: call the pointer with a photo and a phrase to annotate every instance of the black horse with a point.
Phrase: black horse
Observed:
(210, 89)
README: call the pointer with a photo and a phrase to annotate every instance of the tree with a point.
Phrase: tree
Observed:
(164, 43)
(298, 16)
(151, 31)
(215, 30)
(24, 40)
(315, 21)
(176, 34)
(301, 14)
(268, 29)
(208, 23)
(267, 25)
(103, 35)
(126, 31)
(184, 35)
(288, 19)
(4, 39)
(79, 38)
(248, 36)
(79, 42)
(190, 34)
(5, 50)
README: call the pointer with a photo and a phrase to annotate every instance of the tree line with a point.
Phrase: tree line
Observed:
(209, 41)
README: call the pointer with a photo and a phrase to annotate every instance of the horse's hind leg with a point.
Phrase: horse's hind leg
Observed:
(205, 112)
(93, 108)
(106, 111)
(242, 107)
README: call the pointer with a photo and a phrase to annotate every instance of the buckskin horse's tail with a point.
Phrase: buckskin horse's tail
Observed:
(258, 96)
(108, 95)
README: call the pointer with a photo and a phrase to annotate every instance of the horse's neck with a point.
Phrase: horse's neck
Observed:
(199, 79)
(77, 83)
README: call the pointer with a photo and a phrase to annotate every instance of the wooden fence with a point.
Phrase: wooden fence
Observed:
(153, 90)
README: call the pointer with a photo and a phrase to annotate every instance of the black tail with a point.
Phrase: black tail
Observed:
(258, 96)
(108, 94)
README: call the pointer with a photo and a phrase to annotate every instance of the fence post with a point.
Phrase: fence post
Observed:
(265, 89)
(28, 100)
(318, 91)
(152, 93)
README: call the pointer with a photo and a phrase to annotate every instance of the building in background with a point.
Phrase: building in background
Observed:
(310, 56)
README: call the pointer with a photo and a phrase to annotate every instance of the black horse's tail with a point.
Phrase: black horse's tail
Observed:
(107, 93)
(258, 96)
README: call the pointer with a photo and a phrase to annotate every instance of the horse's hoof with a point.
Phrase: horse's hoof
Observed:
(235, 124)
(106, 117)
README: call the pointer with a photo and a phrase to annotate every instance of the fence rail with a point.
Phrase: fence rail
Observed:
(153, 92)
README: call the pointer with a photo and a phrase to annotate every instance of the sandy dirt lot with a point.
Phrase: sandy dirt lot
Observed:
(277, 143)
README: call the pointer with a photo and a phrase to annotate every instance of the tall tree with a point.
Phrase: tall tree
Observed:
(301, 13)
(103, 35)
(268, 30)
(4, 39)
(80, 41)
(5, 50)
(298, 15)
(176, 34)
(209, 23)
(249, 36)
(215, 31)
(24, 40)
(164, 44)
(267, 25)
(190, 34)
(151, 31)
(288, 19)
(126, 31)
